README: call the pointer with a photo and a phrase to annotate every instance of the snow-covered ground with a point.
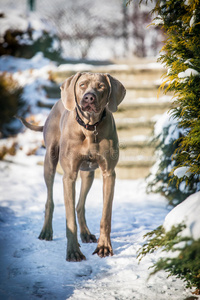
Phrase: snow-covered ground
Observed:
(32, 269)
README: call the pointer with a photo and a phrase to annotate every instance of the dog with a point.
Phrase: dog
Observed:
(80, 133)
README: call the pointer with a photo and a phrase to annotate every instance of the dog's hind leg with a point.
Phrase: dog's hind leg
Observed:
(86, 183)
(51, 160)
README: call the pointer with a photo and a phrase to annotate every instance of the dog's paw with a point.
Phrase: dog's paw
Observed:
(75, 256)
(103, 251)
(46, 235)
(88, 238)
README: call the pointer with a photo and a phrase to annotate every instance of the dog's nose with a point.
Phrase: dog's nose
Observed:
(89, 98)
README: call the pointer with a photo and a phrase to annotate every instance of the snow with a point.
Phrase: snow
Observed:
(192, 21)
(182, 171)
(86, 67)
(151, 100)
(166, 121)
(158, 21)
(187, 73)
(151, 66)
(34, 269)
(188, 213)
(74, 67)
(14, 64)
(14, 19)
(163, 122)
(188, 62)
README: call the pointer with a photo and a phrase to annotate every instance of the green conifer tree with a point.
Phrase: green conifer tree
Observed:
(181, 56)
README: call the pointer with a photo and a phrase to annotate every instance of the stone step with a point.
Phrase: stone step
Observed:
(137, 141)
(135, 109)
(128, 74)
(137, 90)
(131, 109)
(130, 102)
(136, 161)
(137, 83)
(132, 92)
(134, 167)
(129, 173)
(130, 123)
(136, 152)
(131, 132)
(145, 82)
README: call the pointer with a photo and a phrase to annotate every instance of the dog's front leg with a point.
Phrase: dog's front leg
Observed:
(86, 183)
(73, 250)
(104, 247)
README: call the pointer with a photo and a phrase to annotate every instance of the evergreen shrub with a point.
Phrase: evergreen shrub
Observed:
(163, 181)
(180, 20)
(185, 265)
(181, 56)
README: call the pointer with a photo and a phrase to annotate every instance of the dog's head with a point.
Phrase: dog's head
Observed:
(93, 92)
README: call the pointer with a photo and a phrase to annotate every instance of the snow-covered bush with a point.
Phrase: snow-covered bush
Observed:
(24, 36)
(179, 236)
(175, 186)
(180, 55)
(181, 21)
(180, 152)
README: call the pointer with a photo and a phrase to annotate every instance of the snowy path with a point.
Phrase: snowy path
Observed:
(32, 269)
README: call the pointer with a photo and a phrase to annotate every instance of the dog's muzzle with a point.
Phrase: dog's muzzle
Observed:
(88, 102)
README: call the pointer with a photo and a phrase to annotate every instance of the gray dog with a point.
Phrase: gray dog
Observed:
(80, 132)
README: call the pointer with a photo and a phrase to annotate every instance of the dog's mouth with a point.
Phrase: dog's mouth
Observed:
(91, 108)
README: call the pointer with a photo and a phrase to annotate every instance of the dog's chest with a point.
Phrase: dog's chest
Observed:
(90, 155)
(94, 155)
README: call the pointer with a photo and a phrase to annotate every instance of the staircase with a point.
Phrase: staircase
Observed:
(136, 115)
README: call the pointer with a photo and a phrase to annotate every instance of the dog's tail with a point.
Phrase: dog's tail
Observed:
(30, 126)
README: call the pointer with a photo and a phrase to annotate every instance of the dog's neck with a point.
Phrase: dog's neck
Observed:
(91, 122)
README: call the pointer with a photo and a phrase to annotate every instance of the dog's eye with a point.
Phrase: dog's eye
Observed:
(101, 86)
(82, 85)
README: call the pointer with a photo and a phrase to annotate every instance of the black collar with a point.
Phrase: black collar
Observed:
(87, 126)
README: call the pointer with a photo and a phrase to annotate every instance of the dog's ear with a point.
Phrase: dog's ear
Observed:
(117, 92)
(67, 92)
